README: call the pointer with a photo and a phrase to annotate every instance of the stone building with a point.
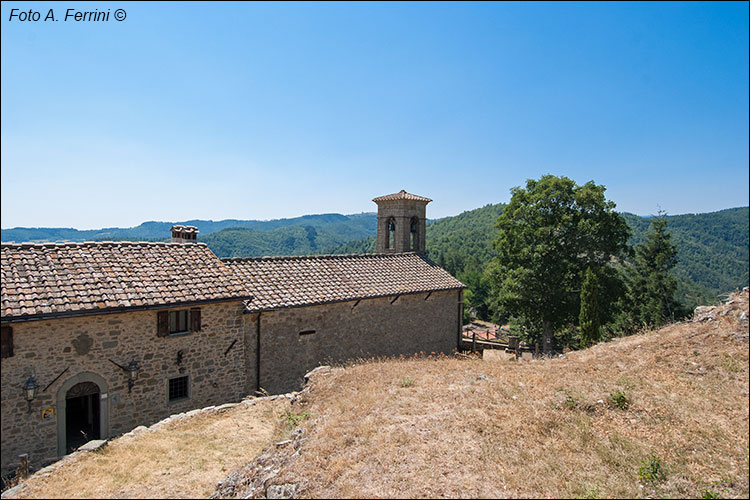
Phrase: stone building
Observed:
(100, 337)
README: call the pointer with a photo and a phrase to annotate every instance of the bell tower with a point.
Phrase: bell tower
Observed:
(401, 222)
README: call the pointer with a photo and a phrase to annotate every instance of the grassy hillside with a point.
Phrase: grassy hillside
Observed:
(663, 414)
(658, 415)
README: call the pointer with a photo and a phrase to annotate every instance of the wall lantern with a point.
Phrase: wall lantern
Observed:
(131, 370)
(132, 373)
(30, 391)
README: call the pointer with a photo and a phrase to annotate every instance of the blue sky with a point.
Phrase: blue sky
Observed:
(261, 111)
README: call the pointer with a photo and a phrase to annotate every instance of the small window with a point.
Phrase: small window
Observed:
(7, 342)
(307, 332)
(178, 321)
(178, 388)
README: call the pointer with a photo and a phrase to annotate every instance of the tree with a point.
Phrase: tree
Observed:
(476, 294)
(548, 235)
(588, 319)
(652, 287)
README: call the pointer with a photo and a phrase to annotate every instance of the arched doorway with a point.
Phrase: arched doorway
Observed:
(81, 415)
(82, 412)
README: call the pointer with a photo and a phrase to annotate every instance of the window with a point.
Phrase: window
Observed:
(178, 388)
(178, 322)
(307, 332)
(7, 341)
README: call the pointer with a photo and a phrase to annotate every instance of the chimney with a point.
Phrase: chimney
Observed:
(184, 234)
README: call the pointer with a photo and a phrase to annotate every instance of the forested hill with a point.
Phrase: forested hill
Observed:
(712, 247)
(287, 240)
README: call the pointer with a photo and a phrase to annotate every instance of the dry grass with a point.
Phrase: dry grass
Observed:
(184, 459)
(450, 427)
(545, 428)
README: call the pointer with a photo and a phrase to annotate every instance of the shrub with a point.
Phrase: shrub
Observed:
(570, 402)
(709, 493)
(406, 382)
(620, 400)
(294, 419)
(651, 470)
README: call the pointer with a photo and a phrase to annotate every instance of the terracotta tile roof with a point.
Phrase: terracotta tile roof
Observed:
(401, 195)
(482, 332)
(280, 282)
(47, 280)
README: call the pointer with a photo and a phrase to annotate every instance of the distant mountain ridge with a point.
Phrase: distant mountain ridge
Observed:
(712, 247)
(153, 230)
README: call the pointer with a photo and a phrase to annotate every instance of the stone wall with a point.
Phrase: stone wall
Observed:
(374, 327)
(85, 345)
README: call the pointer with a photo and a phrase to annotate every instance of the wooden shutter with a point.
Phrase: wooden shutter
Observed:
(7, 341)
(195, 320)
(162, 323)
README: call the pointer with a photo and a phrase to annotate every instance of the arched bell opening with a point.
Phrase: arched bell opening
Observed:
(390, 233)
(414, 234)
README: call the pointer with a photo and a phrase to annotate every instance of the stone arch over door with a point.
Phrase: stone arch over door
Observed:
(61, 407)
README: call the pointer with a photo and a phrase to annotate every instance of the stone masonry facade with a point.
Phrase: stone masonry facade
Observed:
(84, 345)
(427, 322)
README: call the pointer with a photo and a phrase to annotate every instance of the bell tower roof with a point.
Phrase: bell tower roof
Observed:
(401, 195)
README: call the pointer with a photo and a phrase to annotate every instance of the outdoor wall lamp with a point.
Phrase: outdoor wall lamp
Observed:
(132, 374)
(131, 370)
(30, 391)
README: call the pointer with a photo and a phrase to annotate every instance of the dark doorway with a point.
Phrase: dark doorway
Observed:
(81, 415)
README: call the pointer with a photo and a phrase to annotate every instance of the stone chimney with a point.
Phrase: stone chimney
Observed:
(184, 234)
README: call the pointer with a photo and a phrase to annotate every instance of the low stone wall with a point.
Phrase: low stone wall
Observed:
(255, 479)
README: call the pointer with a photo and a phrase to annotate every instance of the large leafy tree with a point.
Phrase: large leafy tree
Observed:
(652, 285)
(549, 234)
(588, 319)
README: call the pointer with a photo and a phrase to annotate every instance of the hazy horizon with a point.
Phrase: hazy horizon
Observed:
(192, 110)
(317, 214)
